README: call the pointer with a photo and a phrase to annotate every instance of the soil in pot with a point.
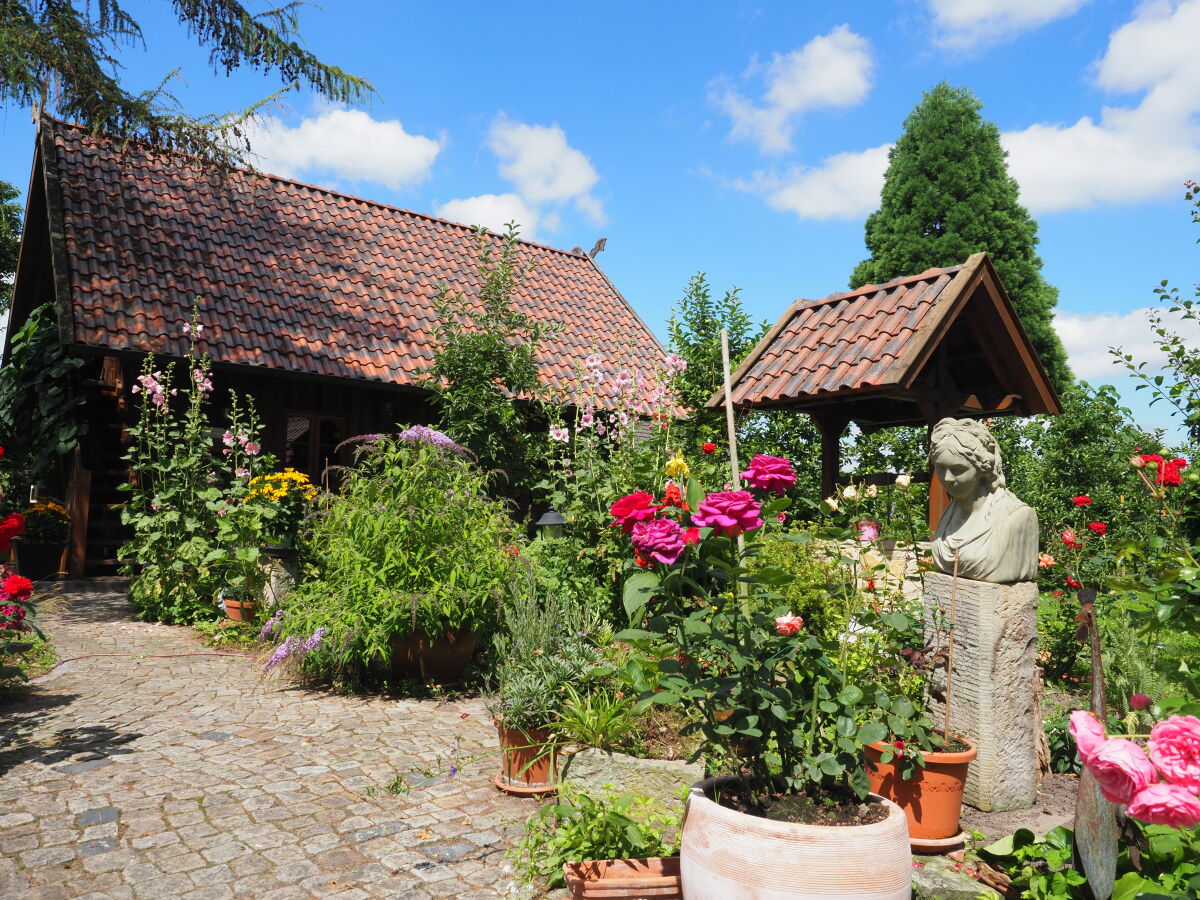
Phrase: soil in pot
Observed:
(656, 878)
(528, 761)
(932, 798)
(826, 808)
(442, 658)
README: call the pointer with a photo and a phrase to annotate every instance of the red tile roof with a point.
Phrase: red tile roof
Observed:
(292, 277)
(846, 342)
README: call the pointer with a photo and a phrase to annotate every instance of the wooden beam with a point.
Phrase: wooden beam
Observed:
(831, 428)
(79, 496)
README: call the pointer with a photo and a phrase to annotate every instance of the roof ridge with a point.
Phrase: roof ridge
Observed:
(932, 273)
(82, 130)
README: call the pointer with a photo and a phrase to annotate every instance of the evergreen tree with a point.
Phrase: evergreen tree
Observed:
(61, 57)
(947, 194)
(10, 241)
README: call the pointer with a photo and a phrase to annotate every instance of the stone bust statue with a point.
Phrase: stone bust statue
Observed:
(994, 534)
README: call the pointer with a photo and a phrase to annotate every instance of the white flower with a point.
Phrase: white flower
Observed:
(832, 503)
(559, 433)
(850, 492)
(872, 490)
(903, 480)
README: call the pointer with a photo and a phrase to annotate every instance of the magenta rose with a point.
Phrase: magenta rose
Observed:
(1121, 768)
(729, 513)
(1088, 733)
(1175, 748)
(660, 540)
(1165, 804)
(770, 473)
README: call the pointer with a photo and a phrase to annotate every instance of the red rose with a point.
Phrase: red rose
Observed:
(10, 526)
(672, 496)
(1082, 500)
(708, 448)
(1098, 527)
(1071, 582)
(691, 535)
(1, 453)
(17, 586)
(632, 509)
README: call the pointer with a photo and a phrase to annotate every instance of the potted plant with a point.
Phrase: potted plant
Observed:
(40, 548)
(540, 653)
(794, 818)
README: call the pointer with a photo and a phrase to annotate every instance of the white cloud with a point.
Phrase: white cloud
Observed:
(1128, 154)
(344, 144)
(1087, 337)
(543, 167)
(967, 24)
(493, 211)
(831, 71)
(845, 185)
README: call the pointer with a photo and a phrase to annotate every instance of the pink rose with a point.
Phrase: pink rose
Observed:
(1165, 804)
(660, 540)
(1175, 748)
(1121, 769)
(788, 625)
(1139, 701)
(770, 473)
(1088, 733)
(729, 513)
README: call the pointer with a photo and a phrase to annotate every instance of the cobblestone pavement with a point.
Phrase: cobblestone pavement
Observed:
(190, 777)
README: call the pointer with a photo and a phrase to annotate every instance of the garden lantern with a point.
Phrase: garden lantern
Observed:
(550, 525)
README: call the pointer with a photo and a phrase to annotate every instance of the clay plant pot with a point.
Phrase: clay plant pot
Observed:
(442, 658)
(655, 878)
(528, 761)
(931, 799)
(240, 610)
(728, 855)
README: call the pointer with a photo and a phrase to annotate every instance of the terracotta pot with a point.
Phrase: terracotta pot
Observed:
(728, 855)
(526, 766)
(441, 658)
(38, 561)
(932, 798)
(656, 878)
(240, 610)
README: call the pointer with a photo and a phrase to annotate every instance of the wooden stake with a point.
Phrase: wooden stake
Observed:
(950, 648)
(736, 479)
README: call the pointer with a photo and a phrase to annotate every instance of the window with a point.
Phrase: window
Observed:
(311, 440)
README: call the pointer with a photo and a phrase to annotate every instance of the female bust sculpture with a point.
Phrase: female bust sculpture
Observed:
(994, 534)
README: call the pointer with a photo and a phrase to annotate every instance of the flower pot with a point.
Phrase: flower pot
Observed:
(441, 658)
(931, 799)
(655, 878)
(528, 761)
(240, 610)
(37, 561)
(728, 855)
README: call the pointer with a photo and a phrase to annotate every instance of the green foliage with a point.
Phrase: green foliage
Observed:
(566, 571)
(24, 647)
(1063, 755)
(947, 194)
(1042, 869)
(814, 585)
(907, 724)
(485, 357)
(41, 391)
(411, 541)
(10, 241)
(63, 56)
(227, 634)
(596, 717)
(582, 826)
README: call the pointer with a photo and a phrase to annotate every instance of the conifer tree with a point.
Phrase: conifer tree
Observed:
(947, 194)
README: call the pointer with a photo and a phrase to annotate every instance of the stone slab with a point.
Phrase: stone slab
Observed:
(941, 878)
(992, 689)
(657, 779)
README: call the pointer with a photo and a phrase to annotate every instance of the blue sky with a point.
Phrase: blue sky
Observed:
(745, 140)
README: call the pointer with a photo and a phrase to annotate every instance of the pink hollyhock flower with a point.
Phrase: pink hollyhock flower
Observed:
(788, 625)
(632, 509)
(729, 513)
(1165, 804)
(770, 473)
(1175, 748)
(1121, 769)
(1088, 733)
(660, 540)
(253, 449)
(868, 530)
(1139, 701)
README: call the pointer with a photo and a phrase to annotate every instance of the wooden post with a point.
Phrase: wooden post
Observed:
(79, 496)
(938, 500)
(735, 477)
(831, 429)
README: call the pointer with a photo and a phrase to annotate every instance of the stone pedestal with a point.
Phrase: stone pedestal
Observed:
(992, 693)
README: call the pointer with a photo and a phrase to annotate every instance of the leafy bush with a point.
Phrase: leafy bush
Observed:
(583, 826)
(411, 541)
(47, 522)
(562, 571)
(814, 578)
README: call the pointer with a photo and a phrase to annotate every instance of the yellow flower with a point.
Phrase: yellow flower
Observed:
(677, 467)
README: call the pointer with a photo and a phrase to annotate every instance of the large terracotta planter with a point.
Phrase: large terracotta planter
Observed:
(442, 658)
(240, 610)
(728, 855)
(656, 878)
(931, 799)
(528, 761)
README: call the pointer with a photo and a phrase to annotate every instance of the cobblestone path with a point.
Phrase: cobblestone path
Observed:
(190, 777)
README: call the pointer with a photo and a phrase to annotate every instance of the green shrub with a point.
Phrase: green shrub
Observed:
(814, 578)
(412, 541)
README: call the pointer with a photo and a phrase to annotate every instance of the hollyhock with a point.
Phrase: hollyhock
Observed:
(708, 449)
(17, 586)
(1174, 746)
(660, 540)
(729, 513)
(1121, 769)
(632, 509)
(1165, 804)
(788, 625)
(1098, 527)
(559, 433)
(1088, 733)
(252, 448)
(1082, 500)
(769, 473)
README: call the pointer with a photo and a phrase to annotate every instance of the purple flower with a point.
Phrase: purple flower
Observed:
(282, 652)
(269, 628)
(660, 540)
(314, 641)
(453, 771)
(419, 434)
